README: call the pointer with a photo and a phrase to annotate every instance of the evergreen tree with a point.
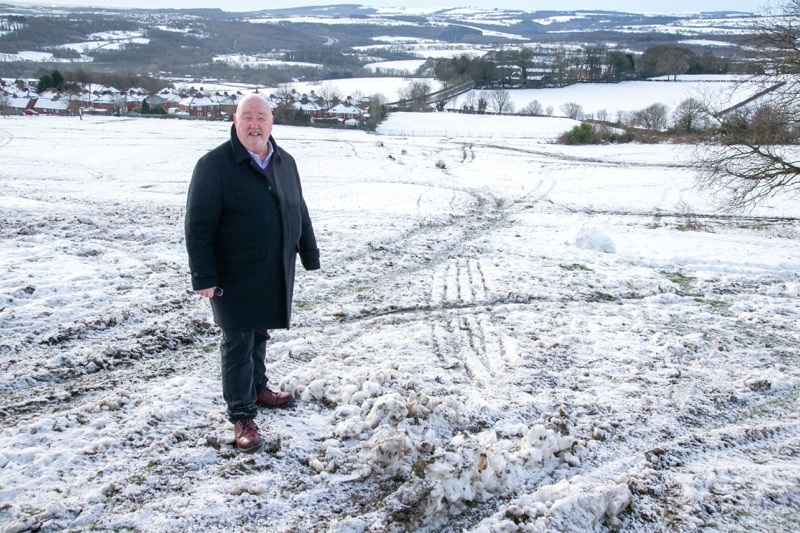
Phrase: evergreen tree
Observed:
(50, 80)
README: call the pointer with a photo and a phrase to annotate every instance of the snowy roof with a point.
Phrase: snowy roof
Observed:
(342, 109)
(134, 97)
(55, 105)
(198, 101)
(157, 99)
(49, 94)
(104, 89)
(226, 99)
(106, 99)
(18, 103)
(308, 106)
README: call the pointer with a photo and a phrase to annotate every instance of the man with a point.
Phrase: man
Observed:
(246, 222)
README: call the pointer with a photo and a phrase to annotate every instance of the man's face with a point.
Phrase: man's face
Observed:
(253, 121)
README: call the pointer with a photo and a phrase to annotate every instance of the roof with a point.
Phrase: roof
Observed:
(342, 109)
(18, 103)
(308, 106)
(53, 105)
(198, 101)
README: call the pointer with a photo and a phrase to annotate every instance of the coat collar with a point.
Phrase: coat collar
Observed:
(241, 154)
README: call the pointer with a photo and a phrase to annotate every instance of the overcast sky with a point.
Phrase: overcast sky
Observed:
(635, 6)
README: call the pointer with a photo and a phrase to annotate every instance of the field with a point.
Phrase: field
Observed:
(506, 334)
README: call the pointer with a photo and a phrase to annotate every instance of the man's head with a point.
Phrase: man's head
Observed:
(253, 122)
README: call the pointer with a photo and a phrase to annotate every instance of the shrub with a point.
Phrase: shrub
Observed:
(583, 133)
(586, 133)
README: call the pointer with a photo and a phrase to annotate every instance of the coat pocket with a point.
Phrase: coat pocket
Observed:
(246, 254)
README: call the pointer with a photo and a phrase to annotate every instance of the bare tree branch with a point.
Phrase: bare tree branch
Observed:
(755, 154)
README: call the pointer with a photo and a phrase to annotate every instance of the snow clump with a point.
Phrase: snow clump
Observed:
(381, 426)
(593, 239)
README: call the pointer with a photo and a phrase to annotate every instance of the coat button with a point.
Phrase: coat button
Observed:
(194, 273)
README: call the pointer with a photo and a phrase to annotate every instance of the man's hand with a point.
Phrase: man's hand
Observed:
(207, 293)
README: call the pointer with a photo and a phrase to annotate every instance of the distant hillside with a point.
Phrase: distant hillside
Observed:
(273, 46)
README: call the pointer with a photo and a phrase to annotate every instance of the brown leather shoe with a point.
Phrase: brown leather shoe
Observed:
(268, 398)
(245, 432)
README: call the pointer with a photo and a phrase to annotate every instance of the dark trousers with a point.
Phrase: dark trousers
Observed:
(243, 371)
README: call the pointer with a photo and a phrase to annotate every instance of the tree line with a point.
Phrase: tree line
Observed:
(746, 153)
(532, 67)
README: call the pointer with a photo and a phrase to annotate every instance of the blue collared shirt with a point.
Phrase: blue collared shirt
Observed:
(258, 159)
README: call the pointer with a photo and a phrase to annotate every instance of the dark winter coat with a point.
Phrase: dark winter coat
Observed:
(244, 229)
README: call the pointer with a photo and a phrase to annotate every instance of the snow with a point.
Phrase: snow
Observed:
(105, 44)
(621, 97)
(241, 60)
(407, 66)
(465, 125)
(559, 19)
(328, 20)
(426, 50)
(527, 336)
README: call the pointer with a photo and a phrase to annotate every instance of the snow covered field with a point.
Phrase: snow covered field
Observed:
(534, 337)
(629, 96)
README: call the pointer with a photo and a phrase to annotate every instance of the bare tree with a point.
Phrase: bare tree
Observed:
(501, 101)
(417, 92)
(483, 102)
(524, 58)
(691, 116)
(533, 108)
(377, 110)
(755, 154)
(469, 102)
(330, 95)
(572, 110)
(675, 62)
(595, 62)
(651, 118)
(559, 66)
(285, 93)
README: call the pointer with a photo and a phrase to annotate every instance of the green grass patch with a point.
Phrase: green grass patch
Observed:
(717, 305)
(574, 267)
(684, 281)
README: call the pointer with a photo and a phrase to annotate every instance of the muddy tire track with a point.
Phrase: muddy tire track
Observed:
(762, 436)
(460, 281)
(98, 361)
(594, 161)
(5, 137)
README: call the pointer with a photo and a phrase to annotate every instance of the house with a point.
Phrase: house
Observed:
(108, 101)
(227, 102)
(157, 100)
(134, 97)
(200, 106)
(57, 105)
(346, 111)
(20, 104)
(308, 107)
(170, 95)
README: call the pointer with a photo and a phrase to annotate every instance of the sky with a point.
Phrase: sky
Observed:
(636, 6)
